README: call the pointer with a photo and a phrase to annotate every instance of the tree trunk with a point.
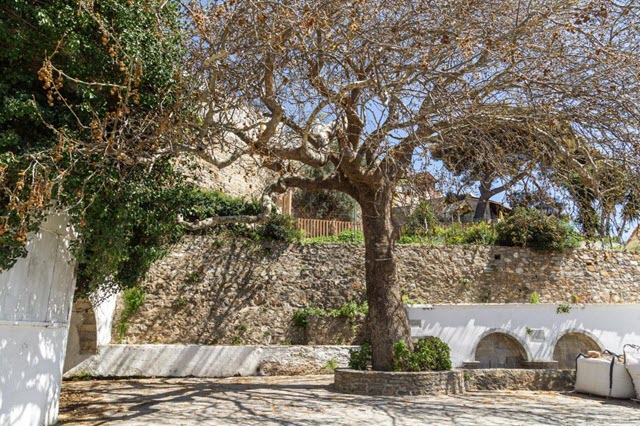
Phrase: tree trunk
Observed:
(387, 316)
(480, 213)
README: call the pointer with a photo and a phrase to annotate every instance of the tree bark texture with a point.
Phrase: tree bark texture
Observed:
(387, 315)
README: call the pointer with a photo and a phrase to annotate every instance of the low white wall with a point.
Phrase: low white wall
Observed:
(463, 326)
(205, 361)
(35, 304)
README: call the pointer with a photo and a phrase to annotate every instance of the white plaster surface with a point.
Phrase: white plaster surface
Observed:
(35, 304)
(463, 326)
(203, 361)
(104, 310)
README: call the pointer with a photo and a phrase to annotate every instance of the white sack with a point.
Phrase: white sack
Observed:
(632, 362)
(593, 377)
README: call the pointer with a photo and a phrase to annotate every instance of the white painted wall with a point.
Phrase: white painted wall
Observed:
(203, 361)
(35, 304)
(103, 308)
(463, 326)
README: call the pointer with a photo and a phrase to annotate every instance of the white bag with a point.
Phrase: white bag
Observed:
(632, 362)
(605, 376)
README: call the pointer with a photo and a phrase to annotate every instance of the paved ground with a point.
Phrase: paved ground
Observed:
(311, 401)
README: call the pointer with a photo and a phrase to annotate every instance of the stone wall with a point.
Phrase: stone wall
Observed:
(451, 382)
(119, 361)
(516, 380)
(209, 291)
(399, 383)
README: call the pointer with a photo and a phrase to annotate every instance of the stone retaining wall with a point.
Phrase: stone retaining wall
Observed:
(396, 384)
(529, 380)
(220, 292)
(335, 331)
(211, 361)
(451, 382)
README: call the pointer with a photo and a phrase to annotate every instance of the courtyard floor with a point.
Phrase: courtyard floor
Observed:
(311, 401)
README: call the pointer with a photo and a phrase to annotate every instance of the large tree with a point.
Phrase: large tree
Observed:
(367, 86)
(498, 154)
(363, 89)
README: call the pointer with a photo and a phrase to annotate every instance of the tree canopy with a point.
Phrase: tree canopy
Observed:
(363, 90)
(69, 69)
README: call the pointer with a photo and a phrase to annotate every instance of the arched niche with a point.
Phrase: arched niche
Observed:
(570, 345)
(82, 341)
(500, 350)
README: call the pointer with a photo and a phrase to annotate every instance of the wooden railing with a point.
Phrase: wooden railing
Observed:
(314, 228)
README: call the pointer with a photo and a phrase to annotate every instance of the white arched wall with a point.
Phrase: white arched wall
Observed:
(89, 329)
(35, 304)
(536, 327)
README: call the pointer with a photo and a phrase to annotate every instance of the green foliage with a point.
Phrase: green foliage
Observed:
(353, 311)
(475, 233)
(421, 222)
(361, 358)
(429, 354)
(534, 229)
(198, 204)
(301, 316)
(331, 365)
(325, 204)
(563, 308)
(346, 236)
(633, 247)
(279, 228)
(39, 168)
(479, 233)
(133, 298)
(129, 224)
(535, 298)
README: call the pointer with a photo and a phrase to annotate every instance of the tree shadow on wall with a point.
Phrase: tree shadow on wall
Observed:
(212, 293)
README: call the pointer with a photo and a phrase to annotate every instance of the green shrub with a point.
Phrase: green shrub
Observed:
(331, 365)
(535, 298)
(413, 239)
(350, 236)
(535, 229)
(346, 236)
(421, 222)
(197, 204)
(350, 310)
(360, 359)
(279, 228)
(301, 316)
(132, 298)
(429, 354)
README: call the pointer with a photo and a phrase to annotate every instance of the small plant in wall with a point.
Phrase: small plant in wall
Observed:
(563, 308)
(132, 299)
(529, 331)
(535, 298)
(331, 365)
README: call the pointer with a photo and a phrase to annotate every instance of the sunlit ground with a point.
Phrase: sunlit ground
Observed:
(312, 401)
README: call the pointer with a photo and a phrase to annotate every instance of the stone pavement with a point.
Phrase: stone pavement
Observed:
(310, 400)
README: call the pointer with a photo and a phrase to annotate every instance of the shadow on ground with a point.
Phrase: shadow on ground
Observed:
(312, 401)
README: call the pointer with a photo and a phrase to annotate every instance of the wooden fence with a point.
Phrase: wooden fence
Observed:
(314, 228)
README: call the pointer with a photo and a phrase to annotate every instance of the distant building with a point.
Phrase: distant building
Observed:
(634, 238)
(462, 210)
